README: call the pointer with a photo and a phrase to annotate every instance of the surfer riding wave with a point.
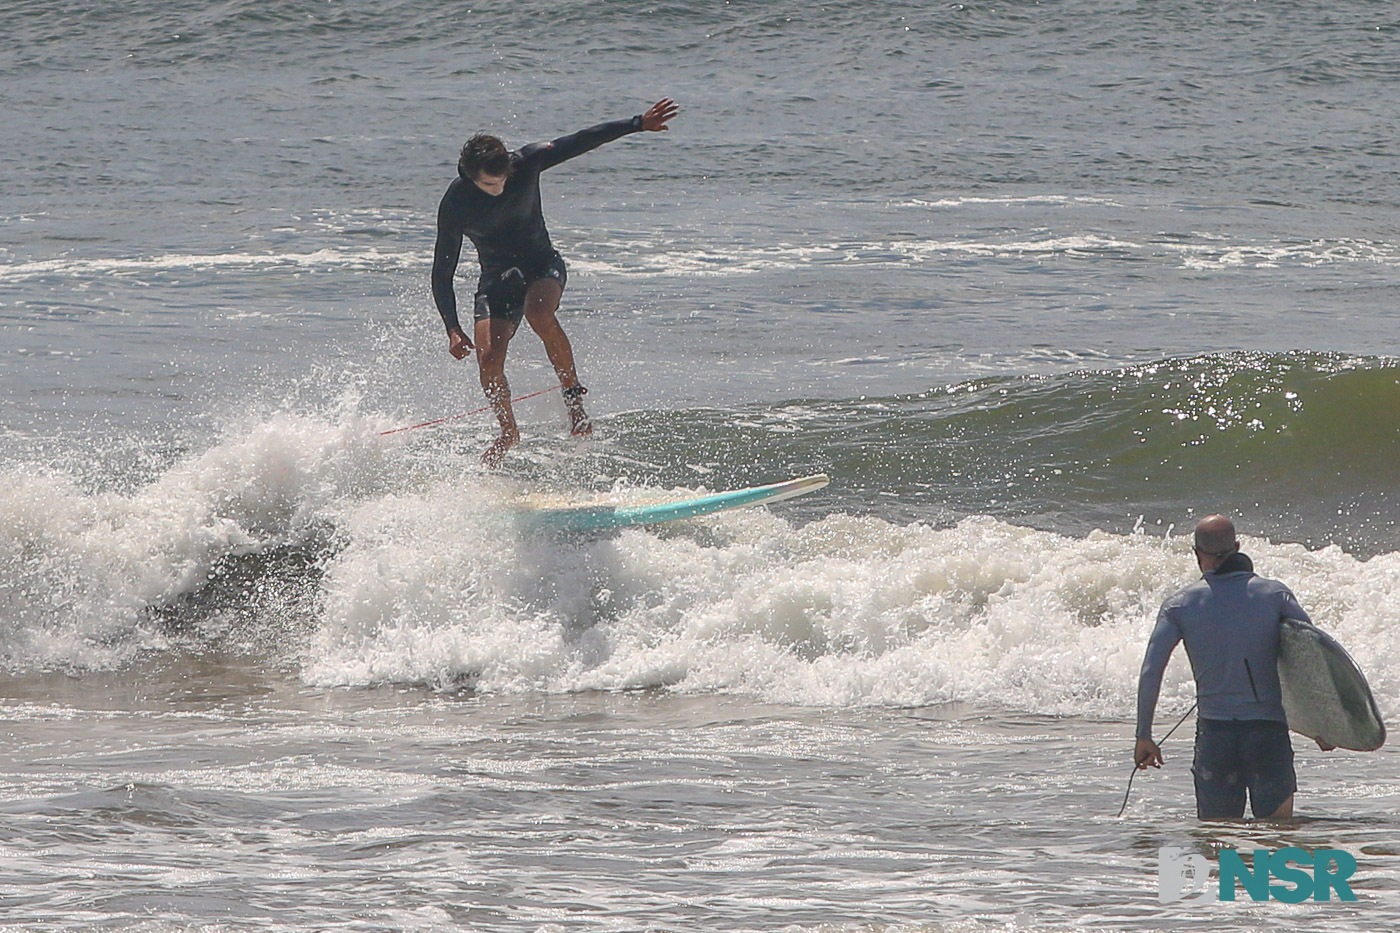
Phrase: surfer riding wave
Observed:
(495, 203)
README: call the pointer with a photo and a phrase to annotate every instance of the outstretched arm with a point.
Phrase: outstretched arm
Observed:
(546, 155)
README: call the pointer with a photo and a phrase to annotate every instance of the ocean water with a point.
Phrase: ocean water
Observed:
(1038, 285)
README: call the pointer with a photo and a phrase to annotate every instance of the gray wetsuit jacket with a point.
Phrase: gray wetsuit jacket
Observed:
(1229, 620)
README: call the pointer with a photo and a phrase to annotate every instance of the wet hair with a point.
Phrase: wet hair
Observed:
(483, 153)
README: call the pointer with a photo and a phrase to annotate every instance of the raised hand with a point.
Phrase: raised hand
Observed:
(661, 113)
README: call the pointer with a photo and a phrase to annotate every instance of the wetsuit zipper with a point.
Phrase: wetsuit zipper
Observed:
(1250, 674)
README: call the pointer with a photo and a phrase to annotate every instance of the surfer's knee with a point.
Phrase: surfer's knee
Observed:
(543, 320)
(491, 356)
(541, 301)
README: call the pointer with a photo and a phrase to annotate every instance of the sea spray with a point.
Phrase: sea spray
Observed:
(80, 569)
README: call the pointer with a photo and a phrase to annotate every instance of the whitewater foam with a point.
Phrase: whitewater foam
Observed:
(1214, 256)
(842, 611)
(77, 268)
(422, 577)
(79, 569)
(1203, 252)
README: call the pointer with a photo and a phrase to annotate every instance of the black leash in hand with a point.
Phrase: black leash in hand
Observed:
(1136, 769)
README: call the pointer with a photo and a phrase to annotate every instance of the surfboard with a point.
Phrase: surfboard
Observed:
(1325, 694)
(597, 516)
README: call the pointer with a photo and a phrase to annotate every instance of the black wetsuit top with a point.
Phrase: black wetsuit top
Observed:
(507, 229)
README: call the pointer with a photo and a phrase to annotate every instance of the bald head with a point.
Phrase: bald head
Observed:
(1215, 535)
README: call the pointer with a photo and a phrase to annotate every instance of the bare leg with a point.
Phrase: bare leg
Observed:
(492, 337)
(541, 303)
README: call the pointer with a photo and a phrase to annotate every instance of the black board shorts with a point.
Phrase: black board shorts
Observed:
(501, 295)
(1235, 756)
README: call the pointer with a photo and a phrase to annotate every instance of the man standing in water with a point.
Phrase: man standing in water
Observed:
(1229, 620)
(495, 202)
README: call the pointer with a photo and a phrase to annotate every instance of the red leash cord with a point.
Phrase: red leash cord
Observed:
(466, 414)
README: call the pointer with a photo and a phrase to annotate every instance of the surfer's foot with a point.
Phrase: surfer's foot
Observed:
(496, 453)
(579, 425)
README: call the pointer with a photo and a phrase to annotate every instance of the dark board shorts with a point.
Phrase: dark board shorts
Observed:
(1235, 756)
(502, 294)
